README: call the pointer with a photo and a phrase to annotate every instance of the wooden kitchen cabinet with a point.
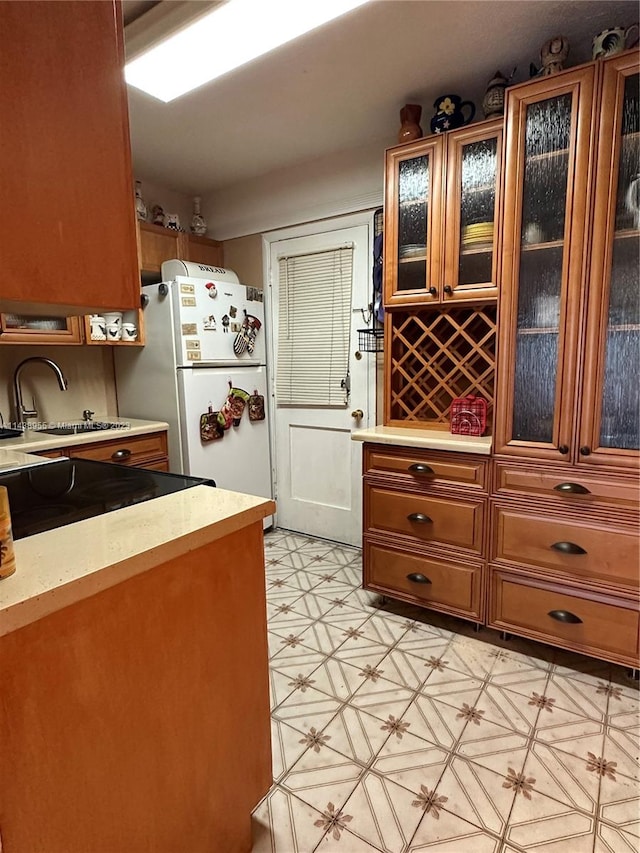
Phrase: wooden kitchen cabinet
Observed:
(563, 398)
(158, 244)
(67, 182)
(424, 527)
(442, 204)
(140, 451)
(25, 329)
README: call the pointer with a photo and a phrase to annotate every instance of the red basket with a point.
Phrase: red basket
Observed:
(468, 415)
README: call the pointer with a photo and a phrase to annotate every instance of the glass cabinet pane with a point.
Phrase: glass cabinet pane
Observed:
(477, 211)
(413, 205)
(20, 322)
(546, 169)
(620, 417)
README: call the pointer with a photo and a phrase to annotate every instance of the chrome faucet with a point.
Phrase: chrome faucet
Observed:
(21, 411)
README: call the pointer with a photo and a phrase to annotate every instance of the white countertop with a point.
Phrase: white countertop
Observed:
(34, 442)
(429, 439)
(59, 567)
(12, 459)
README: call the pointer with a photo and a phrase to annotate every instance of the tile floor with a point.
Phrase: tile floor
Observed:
(396, 729)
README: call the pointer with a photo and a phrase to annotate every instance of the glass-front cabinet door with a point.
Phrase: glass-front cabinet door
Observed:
(413, 207)
(610, 413)
(472, 232)
(546, 193)
(25, 329)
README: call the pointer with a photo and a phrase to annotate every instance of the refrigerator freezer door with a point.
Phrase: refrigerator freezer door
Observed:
(209, 317)
(240, 460)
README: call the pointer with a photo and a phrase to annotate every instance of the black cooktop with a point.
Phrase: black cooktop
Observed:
(68, 490)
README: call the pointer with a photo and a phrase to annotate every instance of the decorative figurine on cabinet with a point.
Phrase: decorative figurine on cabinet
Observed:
(493, 101)
(141, 207)
(449, 113)
(157, 215)
(410, 123)
(553, 54)
(613, 40)
(172, 221)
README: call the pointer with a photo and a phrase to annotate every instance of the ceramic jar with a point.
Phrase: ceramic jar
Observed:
(449, 113)
(493, 101)
(410, 123)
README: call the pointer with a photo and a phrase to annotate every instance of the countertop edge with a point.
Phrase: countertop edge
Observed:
(18, 614)
(32, 442)
(424, 438)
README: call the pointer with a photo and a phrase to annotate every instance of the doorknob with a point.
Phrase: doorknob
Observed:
(358, 414)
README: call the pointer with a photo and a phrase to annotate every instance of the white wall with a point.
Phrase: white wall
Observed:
(341, 183)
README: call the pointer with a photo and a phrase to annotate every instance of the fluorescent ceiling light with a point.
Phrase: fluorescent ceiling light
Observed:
(230, 36)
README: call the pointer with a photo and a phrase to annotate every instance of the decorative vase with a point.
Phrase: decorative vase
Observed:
(493, 101)
(141, 207)
(410, 123)
(198, 224)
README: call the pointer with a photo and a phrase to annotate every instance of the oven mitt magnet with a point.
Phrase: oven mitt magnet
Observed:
(210, 427)
(246, 337)
(256, 407)
(233, 407)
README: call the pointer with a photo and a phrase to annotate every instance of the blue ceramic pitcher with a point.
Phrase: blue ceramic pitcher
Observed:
(449, 113)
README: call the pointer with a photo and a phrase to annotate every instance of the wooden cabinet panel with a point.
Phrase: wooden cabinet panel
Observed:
(426, 519)
(69, 186)
(593, 549)
(158, 244)
(426, 468)
(202, 250)
(600, 625)
(574, 487)
(128, 450)
(427, 580)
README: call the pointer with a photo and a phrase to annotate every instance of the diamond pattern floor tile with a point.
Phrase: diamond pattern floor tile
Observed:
(399, 729)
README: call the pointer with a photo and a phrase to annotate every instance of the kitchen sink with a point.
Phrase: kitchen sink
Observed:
(8, 432)
(79, 429)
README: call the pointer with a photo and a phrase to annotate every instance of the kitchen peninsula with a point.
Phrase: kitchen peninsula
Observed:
(132, 645)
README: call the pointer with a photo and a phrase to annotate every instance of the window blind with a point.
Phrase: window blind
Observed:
(314, 324)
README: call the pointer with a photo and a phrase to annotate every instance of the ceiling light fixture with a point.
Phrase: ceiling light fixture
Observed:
(230, 36)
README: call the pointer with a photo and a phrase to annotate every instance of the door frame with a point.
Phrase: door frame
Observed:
(310, 229)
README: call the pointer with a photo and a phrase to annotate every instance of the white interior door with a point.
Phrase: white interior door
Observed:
(318, 468)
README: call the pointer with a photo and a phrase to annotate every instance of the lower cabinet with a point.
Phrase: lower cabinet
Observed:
(140, 451)
(547, 553)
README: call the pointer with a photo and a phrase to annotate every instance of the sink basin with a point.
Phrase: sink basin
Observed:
(7, 432)
(79, 429)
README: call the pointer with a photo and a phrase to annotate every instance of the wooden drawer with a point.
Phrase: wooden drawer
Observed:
(607, 626)
(127, 450)
(451, 521)
(575, 488)
(426, 467)
(536, 538)
(436, 583)
(51, 454)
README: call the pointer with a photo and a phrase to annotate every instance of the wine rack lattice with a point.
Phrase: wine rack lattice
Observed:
(436, 355)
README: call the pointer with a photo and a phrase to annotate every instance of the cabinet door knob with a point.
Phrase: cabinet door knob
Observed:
(419, 518)
(585, 451)
(565, 616)
(571, 488)
(420, 468)
(567, 548)
(563, 449)
(448, 289)
(433, 291)
(124, 453)
(416, 577)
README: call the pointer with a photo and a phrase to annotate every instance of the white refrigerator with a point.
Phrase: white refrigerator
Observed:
(203, 371)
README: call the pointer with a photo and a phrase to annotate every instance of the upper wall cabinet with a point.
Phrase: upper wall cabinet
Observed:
(560, 399)
(67, 184)
(158, 244)
(442, 204)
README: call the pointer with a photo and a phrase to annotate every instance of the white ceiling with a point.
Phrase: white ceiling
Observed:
(342, 86)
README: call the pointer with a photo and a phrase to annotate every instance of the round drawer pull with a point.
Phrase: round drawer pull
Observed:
(125, 453)
(565, 616)
(585, 451)
(415, 577)
(419, 468)
(571, 488)
(433, 291)
(419, 518)
(563, 449)
(567, 548)
(448, 289)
